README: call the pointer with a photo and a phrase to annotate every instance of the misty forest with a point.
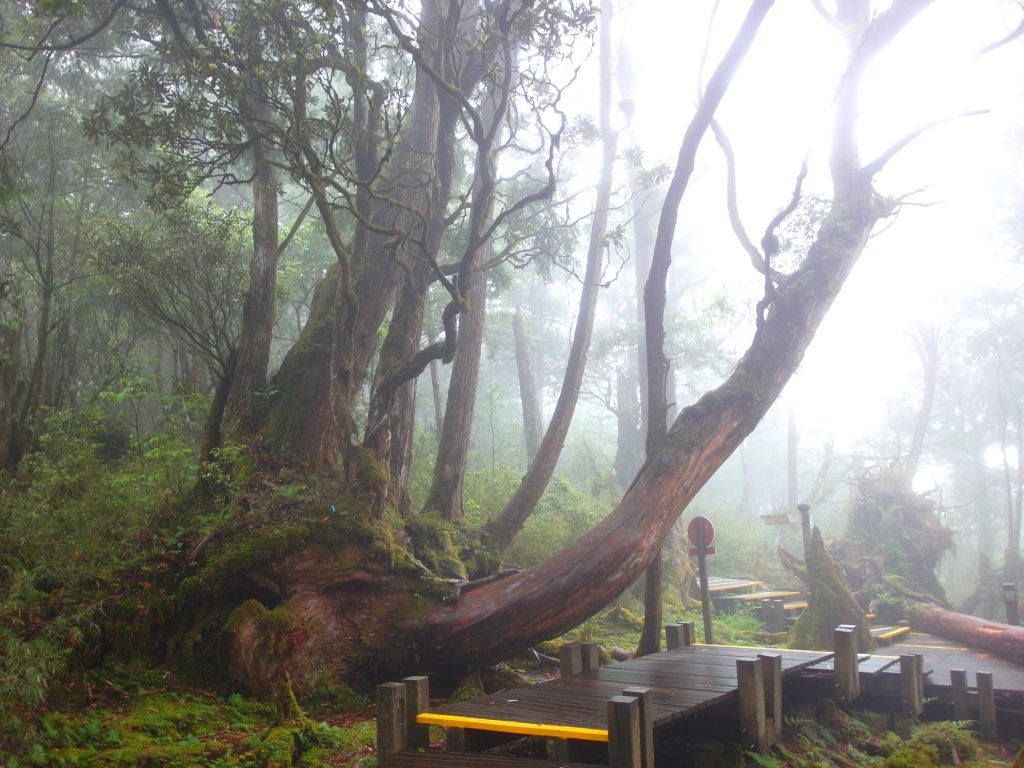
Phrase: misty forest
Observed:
(343, 341)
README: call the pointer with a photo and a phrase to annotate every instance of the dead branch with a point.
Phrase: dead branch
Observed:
(876, 165)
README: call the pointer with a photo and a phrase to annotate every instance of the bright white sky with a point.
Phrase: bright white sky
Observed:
(778, 109)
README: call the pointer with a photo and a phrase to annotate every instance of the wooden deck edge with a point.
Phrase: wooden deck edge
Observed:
(512, 726)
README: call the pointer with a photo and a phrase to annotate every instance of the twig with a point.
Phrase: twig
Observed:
(878, 163)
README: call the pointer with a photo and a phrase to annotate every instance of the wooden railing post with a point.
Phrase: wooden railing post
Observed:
(392, 735)
(623, 732)
(570, 659)
(844, 665)
(912, 683)
(780, 614)
(750, 682)
(987, 704)
(673, 637)
(643, 696)
(417, 701)
(591, 656)
(961, 709)
(689, 632)
(556, 750)
(771, 669)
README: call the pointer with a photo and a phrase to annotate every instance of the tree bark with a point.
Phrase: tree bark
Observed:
(1001, 639)
(532, 419)
(445, 495)
(246, 399)
(435, 389)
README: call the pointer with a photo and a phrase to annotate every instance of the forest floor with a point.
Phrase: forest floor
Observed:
(122, 717)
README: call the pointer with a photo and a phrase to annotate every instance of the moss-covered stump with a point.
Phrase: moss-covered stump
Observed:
(829, 604)
(294, 739)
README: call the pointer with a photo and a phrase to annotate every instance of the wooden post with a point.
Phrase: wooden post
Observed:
(805, 525)
(673, 636)
(987, 705)
(623, 732)
(771, 669)
(392, 736)
(705, 595)
(1012, 604)
(780, 614)
(750, 679)
(455, 739)
(961, 710)
(417, 701)
(590, 656)
(689, 632)
(556, 750)
(643, 696)
(768, 614)
(911, 684)
(570, 659)
(844, 666)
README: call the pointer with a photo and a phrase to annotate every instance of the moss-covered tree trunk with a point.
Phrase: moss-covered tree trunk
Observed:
(829, 604)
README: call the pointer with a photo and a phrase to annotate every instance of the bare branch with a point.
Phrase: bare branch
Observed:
(823, 12)
(876, 165)
(756, 259)
(1006, 40)
(296, 224)
(74, 42)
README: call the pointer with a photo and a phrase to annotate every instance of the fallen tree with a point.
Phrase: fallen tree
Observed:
(1001, 639)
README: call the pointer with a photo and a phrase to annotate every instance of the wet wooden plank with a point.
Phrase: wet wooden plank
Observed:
(682, 682)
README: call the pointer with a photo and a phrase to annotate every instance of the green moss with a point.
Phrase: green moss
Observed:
(829, 604)
(434, 543)
(624, 617)
(278, 748)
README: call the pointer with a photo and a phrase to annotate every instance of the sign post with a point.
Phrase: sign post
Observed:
(701, 533)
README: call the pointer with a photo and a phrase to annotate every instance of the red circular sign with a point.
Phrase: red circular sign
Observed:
(692, 530)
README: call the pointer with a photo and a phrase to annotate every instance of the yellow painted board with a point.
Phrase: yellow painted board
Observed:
(769, 595)
(512, 726)
(869, 615)
(794, 606)
(894, 633)
(731, 587)
(935, 647)
(767, 648)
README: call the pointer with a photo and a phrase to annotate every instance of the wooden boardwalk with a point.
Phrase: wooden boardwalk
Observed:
(941, 656)
(682, 682)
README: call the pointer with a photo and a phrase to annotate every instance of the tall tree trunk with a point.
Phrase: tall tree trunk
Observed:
(501, 529)
(792, 438)
(532, 419)
(564, 590)
(445, 495)
(435, 389)
(927, 342)
(629, 439)
(339, 338)
(746, 497)
(246, 398)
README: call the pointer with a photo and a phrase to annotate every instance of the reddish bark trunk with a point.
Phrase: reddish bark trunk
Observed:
(445, 495)
(558, 594)
(532, 418)
(246, 398)
(1001, 639)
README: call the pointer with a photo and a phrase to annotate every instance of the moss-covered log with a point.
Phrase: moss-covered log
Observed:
(829, 604)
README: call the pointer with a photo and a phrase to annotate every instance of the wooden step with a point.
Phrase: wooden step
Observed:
(889, 635)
